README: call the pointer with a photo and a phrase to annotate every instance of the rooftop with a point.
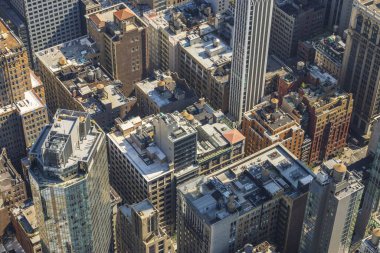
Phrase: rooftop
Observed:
(346, 183)
(178, 20)
(134, 138)
(9, 42)
(296, 7)
(209, 50)
(30, 103)
(61, 146)
(116, 20)
(26, 217)
(93, 89)
(269, 116)
(331, 47)
(165, 91)
(268, 174)
(75, 53)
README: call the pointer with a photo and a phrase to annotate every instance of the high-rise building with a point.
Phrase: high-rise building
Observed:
(205, 63)
(138, 230)
(360, 72)
(16, 23)
(332, 209)
(259, 198)
(371, 201)
(49, 22)
(371, 244)
(337, 15)
(14, 69)
(266, 125)
(252, 21)
(120, 36)
(22, 113)
(70, 186)
(293, 21)
(74, 81)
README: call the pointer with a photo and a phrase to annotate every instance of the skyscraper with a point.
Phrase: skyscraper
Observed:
(331, 211)
(69, 181)
(49, 22)
(250, 51)
(18, 100)
(371, 201)
(360, 72)
(337, 15)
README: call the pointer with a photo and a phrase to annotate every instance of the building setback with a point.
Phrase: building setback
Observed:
(323, 111)
(252, 20)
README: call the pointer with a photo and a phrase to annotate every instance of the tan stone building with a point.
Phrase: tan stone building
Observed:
(329, 54)
(138, 230)
(22, 113)
(26, 228)
(266, 124)
(121, 38)
(14, 68)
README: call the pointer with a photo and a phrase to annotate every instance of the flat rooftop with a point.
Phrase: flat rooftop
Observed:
(209, 50)
(177, 20)
(92, 88)
(244, 185)
(269, 117)
(8, 40)
(163, 90)
(30, 103)
(26, 217)
(77, 52)
(151, 162)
